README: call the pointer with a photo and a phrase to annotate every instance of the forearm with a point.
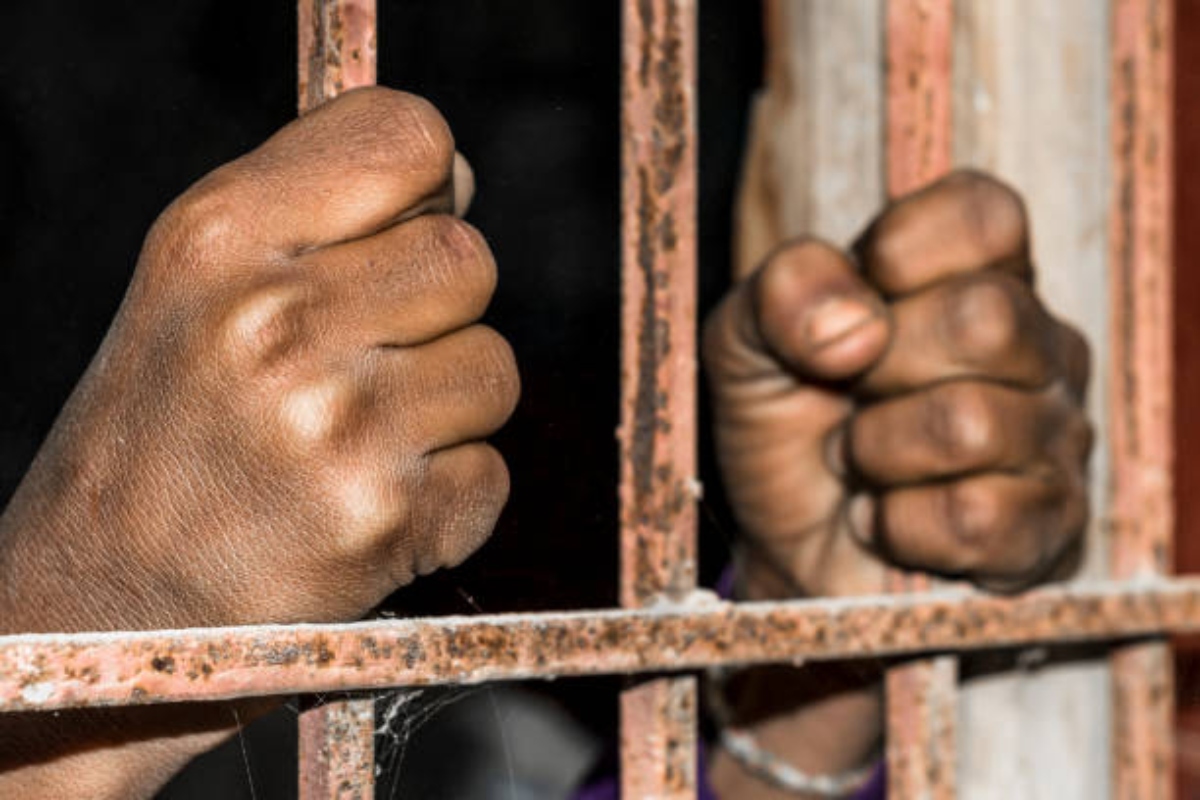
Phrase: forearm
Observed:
(118, 754)
(51, 586)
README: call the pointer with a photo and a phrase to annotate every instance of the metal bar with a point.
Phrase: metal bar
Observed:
(54, 671)
(336, 52)
(336, 48)
(922, 697)
(658, 372)
(1141, 280)
(337, 747)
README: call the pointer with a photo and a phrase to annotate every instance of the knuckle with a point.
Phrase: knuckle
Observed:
(960, 424)
(265, 324)
(974, 516)
(201, 223)
(983, 321)
(883, 249)
(369, 509)
(314, 414)
(995, 213)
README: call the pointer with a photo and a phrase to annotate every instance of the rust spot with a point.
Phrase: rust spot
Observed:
(645, 416)
(163, 664)
(645, 11)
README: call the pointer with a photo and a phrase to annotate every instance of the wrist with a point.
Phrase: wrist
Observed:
(822, 720)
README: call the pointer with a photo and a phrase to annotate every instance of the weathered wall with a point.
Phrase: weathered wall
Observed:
(1031, 105)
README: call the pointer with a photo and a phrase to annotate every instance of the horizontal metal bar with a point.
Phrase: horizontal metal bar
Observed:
(50, 671)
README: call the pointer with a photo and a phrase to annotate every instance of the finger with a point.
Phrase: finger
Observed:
(952, 429)
(963, 223)
(460, 498)
(1002, 529)
(408, 284)
(1077, 357)
(459, 388)
(806, 313)
(985, 325)
(351, 167)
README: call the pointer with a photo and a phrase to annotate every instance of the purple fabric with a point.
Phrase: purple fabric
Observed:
(608, 789)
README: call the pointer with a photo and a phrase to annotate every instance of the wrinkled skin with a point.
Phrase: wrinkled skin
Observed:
(910, 402)
(285, 421)
(922, 408)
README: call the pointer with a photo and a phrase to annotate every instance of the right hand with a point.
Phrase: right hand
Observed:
(285, 421)
(913, 405)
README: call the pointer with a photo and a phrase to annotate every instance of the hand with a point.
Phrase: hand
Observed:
(284, 422)
(911, 403)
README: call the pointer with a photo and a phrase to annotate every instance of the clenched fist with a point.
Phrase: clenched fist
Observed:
(911, 402)
(285, 421)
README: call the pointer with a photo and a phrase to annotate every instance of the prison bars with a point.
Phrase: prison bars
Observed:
(682, 629)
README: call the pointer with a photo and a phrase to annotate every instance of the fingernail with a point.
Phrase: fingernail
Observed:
(835, 318)
(860, 518)
(835, 451)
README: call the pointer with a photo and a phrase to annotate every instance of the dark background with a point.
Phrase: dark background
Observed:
(108, 110)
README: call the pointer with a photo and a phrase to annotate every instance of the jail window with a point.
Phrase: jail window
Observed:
(1063, 691)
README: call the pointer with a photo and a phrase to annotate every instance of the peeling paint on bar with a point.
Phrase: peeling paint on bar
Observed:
(1141, 278)
(53, 671)
(922, 697)
(337, 51)
(658, 372)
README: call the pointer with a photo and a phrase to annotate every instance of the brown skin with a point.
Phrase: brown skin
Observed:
(922, 409)
(284, 423)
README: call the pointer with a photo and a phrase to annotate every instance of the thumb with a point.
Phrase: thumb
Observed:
(806, 311)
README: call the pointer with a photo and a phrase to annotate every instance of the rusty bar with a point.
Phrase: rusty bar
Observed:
(922, 697)
(337, 52)
(338, 739)
(1141, 280)
(53, 671)
(336, 48)
(658, 372)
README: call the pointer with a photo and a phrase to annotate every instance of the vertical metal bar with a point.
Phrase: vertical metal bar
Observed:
(336, 52)
(658, 372)
(337, 751)
(922, 696)
(337, 48)
(1141, 280)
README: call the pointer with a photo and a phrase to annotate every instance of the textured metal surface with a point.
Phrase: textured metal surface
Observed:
(337, 751)
(337, 48)
(49, 671)
(337, 52)
(922, 696)
(658, 372)
(1141, 278)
